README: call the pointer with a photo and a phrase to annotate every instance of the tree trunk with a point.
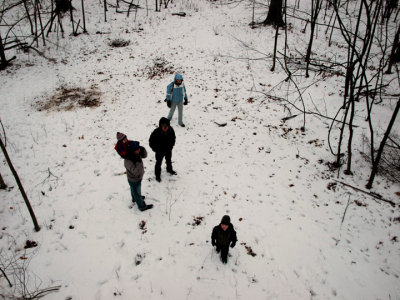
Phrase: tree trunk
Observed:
(350, 140)
(382, 145)
(395, 54)
(35, 18)
(83, 17)
(53, 15)
(28, 16)
(3, 185)
(3, 60)
(389, 8)
(41, 23)
(315, 9)
(105, 10)
(21, 188)
(275, 16)
(339, 151)
(350, 60)
(72, 19)
(275, 47)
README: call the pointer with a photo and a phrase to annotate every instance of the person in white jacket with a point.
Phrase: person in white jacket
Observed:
(176, 97)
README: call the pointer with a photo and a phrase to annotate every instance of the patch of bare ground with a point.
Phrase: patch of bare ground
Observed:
(69, 98)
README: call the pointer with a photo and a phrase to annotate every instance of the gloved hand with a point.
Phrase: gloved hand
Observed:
(169, 103)
(142, 150)
(213, 243)
(233, 244)
(186, 102)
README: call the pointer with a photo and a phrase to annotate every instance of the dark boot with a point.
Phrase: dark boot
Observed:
(158, 174)
(148, 206)
(224, 260)
(172, 172)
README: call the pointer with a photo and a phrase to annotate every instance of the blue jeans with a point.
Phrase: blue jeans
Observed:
(180, 111)
(136, 192)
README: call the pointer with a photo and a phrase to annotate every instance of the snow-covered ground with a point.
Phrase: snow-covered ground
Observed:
(313, 237)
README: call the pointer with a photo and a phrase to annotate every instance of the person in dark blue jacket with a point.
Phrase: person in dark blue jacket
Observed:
(176, 97)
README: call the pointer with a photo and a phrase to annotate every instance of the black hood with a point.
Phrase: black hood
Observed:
(226, 220)
(163, 121)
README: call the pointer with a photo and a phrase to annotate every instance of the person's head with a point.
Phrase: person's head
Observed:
(164, 124)
(178, 79)
(122, 137)
(225, 222)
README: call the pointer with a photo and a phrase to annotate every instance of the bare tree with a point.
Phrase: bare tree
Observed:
(105, 10)
(382, 145)
(2, 183)
(83, 16)
(275, 48)
(389, 9)
(315, 9)
(275, 16)
(356, 80)
(3, 61)
(21, 188)
(395, 54)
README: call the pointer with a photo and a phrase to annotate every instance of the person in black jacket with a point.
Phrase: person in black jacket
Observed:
(222, 236)
(161, 141)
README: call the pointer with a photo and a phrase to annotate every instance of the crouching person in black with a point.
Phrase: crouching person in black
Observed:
(224, 236)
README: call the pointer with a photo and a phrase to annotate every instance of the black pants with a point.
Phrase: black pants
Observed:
(159, 159)
(224, 252)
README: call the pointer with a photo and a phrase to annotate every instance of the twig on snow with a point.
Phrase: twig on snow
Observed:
(372, 194)
(172, 203)
(5, 276)
(221, 124)
(341, 223)
(289, 117)
(344, 214)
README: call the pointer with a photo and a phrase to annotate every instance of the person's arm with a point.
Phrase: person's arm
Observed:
(168, 97)
(173, 138)
(213, 237)
(185, 97)
(143, 152)
(152, 141)
(233, 238)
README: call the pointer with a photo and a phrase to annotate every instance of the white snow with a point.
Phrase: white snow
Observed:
(271, 181)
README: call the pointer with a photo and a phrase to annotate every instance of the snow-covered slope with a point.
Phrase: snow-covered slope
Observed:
(312, 236)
